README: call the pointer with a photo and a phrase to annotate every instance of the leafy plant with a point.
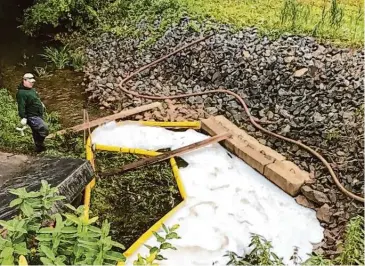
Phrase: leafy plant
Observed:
(42, 72)
(170, 233)
(353, 246)
(57, 239)
(58, 57)
(261, 254)
(77, 59)
(317, 259)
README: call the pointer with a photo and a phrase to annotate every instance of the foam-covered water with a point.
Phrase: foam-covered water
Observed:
(227, 201)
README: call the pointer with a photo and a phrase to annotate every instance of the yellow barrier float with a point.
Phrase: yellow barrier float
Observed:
(91, 158)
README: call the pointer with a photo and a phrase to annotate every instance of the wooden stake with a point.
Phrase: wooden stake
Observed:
(106, 119)
(167, 155)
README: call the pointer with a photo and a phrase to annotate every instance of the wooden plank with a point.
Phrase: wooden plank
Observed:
(109, 118)
(167, 155)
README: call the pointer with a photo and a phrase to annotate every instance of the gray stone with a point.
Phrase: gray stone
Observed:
(314, 195)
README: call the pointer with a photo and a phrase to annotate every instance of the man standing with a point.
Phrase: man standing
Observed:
(30, 109)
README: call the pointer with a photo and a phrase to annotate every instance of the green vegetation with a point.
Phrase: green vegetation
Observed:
(68, 238)
(135, 200)
(12, 140)
(339, 21)
(352, 250)
(334, 20)
(261, 254)
(353, 246)
(62, 57)
(54, 239)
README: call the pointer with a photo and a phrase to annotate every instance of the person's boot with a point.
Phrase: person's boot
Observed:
(40, 148)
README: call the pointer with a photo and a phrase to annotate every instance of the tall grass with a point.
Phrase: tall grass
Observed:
(59, 57)
(63, 57)
(338, 21)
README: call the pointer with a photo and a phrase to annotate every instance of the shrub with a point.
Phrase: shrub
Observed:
(58, 239)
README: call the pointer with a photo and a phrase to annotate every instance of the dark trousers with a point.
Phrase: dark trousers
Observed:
(39, 131)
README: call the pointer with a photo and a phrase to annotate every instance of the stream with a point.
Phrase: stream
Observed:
(61, 90)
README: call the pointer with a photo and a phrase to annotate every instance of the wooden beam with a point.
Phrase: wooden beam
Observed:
(167, 155)
(106, 119)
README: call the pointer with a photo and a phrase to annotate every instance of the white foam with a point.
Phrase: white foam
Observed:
(227, 200)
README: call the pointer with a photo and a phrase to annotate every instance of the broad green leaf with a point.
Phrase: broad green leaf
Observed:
(20, 226)
(158, 237)
(32, 194)
(56, 243)
(47, 204)
(47, 230)
(8, 260)
(73, 218)
(58, 198)
(105, 228)
(115, 256)
(49, 253)
(174, 227)
(46, 261)
(154, 249)
(7, 252)
(160, 257)
(118, 245)
(15, 202)
(94, 229)
(99, 259)
(88, 247)
(69, 230)
(44, 237)
(172, 236)
(21, 249)
(88, 242)
(70, 207)
(165, 246)
(19, 191)
(33, 227)
(59, 222)
(26, 209)
(92, 220)
(165, 228)
(61, 258)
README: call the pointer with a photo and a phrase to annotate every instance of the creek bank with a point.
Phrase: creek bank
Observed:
(307, 91)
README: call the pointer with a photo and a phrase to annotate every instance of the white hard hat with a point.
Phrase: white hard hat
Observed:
(29, 77)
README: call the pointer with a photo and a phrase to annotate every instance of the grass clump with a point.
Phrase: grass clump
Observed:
(135, 200)
(63, 57)
(353, 245)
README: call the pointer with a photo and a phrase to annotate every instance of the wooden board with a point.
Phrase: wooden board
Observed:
(168, 155)
(106, 119)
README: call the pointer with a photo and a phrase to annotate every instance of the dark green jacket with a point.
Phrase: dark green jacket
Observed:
(29, 103)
